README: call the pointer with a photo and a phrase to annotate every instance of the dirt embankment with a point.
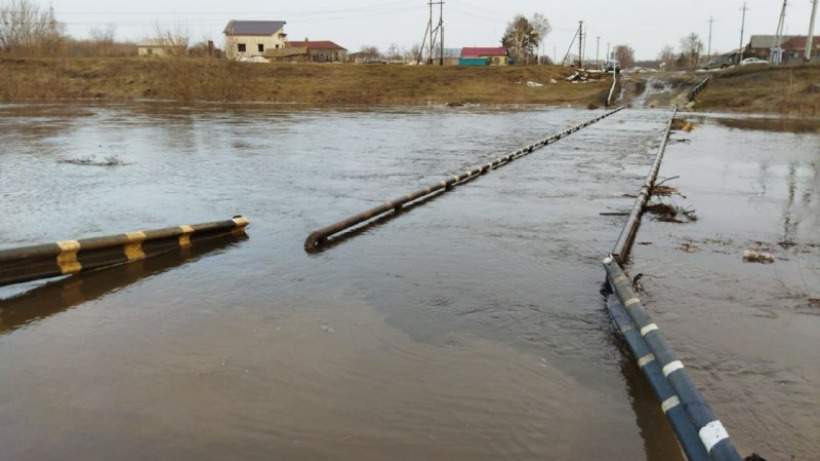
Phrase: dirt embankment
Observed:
(791, 90)
(316, 84)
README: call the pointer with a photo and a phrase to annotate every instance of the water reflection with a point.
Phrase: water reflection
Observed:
(61, 295)
(777, 125)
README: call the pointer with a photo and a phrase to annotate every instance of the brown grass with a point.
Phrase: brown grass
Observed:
(783, 90)
(195, 79)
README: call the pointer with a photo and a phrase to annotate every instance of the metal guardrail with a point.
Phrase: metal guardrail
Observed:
(317, 238)
(682, 426)
(712, 435)
(612, 90)
(698, 88)
(701, 435)
(19, 265)
(58, 295)
(627, 237)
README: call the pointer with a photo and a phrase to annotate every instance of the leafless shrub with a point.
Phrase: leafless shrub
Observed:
(28, 30)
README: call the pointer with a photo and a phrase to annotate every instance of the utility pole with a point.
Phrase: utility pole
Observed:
(597, 49)
(432, 40)
(441, 33)
(430, 34)
(580, 44)
(742, 30)
(776, 53)
(608, 57)
(709, 50)
(811, 31)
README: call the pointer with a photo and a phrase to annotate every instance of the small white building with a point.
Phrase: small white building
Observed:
(160, 47)
(249, 40)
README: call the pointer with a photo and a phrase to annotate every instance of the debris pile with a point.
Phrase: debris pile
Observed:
(585, 76)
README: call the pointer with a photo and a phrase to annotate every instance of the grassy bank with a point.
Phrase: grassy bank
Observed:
(315, 84)
(784, 90)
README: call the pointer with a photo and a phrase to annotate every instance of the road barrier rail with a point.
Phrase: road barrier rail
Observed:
(317, 238)
(624, 244)
(698, 88)
(701, 435)
(652, 353)
(18, 265)
(608, 101)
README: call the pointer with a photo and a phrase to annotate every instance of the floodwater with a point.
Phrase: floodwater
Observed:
(471, 327)
(748, 332)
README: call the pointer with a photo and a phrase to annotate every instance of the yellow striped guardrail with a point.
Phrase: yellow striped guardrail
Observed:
(18, 265)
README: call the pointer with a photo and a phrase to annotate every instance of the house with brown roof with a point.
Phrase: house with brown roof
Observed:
(309, 51)
(793, 47)
(491, 56)
(250, 40)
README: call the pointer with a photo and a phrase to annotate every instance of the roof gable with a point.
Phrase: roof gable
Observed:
(477, 52)
(265, 28)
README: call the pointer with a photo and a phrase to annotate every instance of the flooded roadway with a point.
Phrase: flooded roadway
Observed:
(470, 328)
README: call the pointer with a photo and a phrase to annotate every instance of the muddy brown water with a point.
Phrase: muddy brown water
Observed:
(471, 327)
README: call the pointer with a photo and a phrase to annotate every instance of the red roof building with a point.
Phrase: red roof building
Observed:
(484, 56)
(483, 52)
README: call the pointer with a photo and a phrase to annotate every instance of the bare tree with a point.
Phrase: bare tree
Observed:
(174, 40)
(522, 36)
(26, 29)
(103, 39)
(690, 49)
(370, 53)
(394, 53)
(667, 56)
(413, 54)
(626, 55)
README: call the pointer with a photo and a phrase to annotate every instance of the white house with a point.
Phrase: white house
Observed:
(248, 40)
(161, 47)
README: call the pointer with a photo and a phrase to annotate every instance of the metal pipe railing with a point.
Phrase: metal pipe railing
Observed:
(711, 432)
(315, 239)
(698, 88)
(685, 431)
(624, 244)
(19, 265)
(612, 90)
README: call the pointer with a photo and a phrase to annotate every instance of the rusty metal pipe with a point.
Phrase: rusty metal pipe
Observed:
(316, 238)
(35, 262)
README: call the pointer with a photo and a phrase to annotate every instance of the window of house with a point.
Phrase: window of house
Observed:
(260, 47)
(277, 46)
(241, 47)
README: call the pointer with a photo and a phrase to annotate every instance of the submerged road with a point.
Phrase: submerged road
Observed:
(472, 327)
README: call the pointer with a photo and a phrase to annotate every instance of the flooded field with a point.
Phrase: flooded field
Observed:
(471, 327)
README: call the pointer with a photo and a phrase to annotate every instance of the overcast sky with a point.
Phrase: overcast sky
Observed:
(643, 24)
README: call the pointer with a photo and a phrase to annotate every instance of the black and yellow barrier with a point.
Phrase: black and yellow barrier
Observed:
(19, 265)
(62, 294)
(317, 238)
